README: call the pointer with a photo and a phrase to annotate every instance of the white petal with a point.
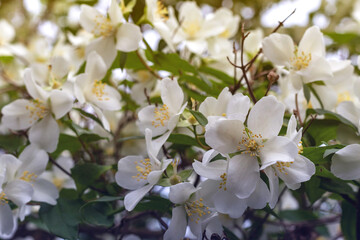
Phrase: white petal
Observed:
(196, 46)
(266, 117)
(59, 67)
(345, 163)
(7, 221)
(105, 47)
(128, 37)
(7, 31)
(208, 156)
(82, 85)
(45, 191)
(212, 170)
(171, 94)
(181, 192)
(35, 91)
(312, 42)
(299, 171)
(19, 192)
(61, 103)
(17, 115)
(225, 135)
(95, 66)
(90, 17)
(278, 149)
(134, 197)
(260, 196)
(177, 227)
(318, 69)
(238, 107)
(146, 118)
(33, 160)
(127, 170)
(243, 175)
(349, 111)
(115, 13)
(45, 134)
(108, 98)
(153, 146)
(274, 186)
(279, 48)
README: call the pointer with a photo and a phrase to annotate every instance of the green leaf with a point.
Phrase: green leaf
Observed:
(182, 139)
(336, 186)
(164, 182)
(316, 95)
(331, 115)
(199, 117)
(312, 189)
(200, 84)
(343, 38)
(185, 174)
(306, 92)
(63, 218)
(218, 74)
(154, 203)
(86, 174)
(172, 63)
(348, 220)
(123, 57)
(89, 115)
(11, 143)
(316, 154)
(66, 142)
(90, 137)
(97, 213)
(297, 215)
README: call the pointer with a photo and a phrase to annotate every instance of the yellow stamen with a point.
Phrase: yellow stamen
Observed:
(143, 168)
(223, 181)
(3, 199)
(161, 115)
(28, 177)
(162, 11)
(251, 142)
(301, 61)
(196, 209)
(37, 110)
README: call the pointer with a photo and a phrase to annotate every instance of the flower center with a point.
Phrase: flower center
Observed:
(103, 26)
(28, 177)
(98, 90)
(143, 167)
(196, 209)
(191, 28)
(281, 166)
(300, 147)
(162, 11)
(37, 110)
(223, 181)
(3, 199)
(251, 142)
(301, 61)
(58, 182)
(161, 116)
(225, 34)
(344, 96)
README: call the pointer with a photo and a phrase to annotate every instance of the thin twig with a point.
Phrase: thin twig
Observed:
(297, 112)
(147, 66)
(308, 125)
(59, 166)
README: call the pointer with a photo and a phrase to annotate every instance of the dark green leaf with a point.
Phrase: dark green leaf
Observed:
(312, 189)
(86, 174)
(348, 220)
(182, 139)
(11, 143)
(185, 174)
(199, 117)
(154, 203)
(316, 154)
(90, 137)
(336, 186)
(66, 142)
(218, 74)
(123, 57)
(331, 115)
(172, 63)
(306, 92)
(97, 213)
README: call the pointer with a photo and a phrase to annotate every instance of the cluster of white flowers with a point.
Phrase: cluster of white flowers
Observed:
(246, 148)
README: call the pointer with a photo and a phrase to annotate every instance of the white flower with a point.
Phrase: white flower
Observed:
(306, 63)
(89, 88)
(191, 211)
(225, 106)
(38, 113)
(140, 174)
(345, 163)
(258, 140)
(58, 177)
(163, 118)
(292, 173)
(113, 33)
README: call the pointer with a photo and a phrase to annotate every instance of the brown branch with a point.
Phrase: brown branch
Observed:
(297, 111)
(308, 125)
(155, 74)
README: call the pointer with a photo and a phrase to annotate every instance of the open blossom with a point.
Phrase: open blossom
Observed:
(306, 63)
(37, 114)
(112, 33)
(163, 118)
(89, 88)
(140, 174)
(345, 163)
(20, 182)
(258, 140)
(191, 211)
(292, 173)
